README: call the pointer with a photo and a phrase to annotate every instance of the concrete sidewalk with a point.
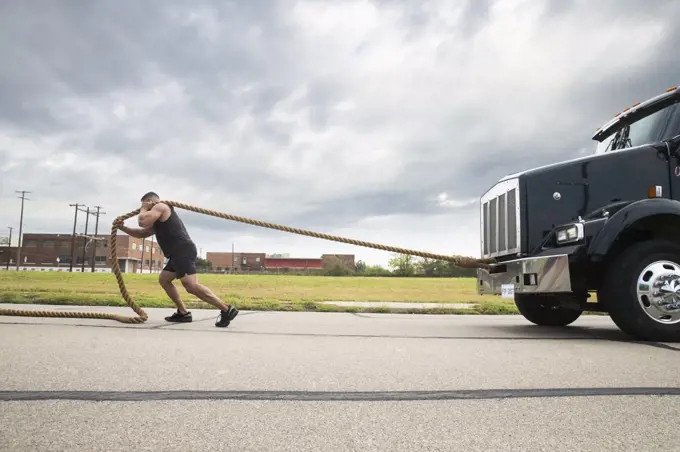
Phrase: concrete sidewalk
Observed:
(401, 305)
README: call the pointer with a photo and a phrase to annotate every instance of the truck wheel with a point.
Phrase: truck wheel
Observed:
(545, 311)
(641, 290)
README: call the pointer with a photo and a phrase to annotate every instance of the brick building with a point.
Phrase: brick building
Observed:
(349, 259)
(139, 255)
(250, 262)
(293, 263)
(225, 262)
(52, 252)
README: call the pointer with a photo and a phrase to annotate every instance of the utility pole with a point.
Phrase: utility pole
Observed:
(96, 230)
(153, 257)
(87, 220)
(141, 262)
(73, 238)
(21, 224)
(9, 245)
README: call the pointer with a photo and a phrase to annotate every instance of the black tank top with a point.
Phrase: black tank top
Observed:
(173, 237)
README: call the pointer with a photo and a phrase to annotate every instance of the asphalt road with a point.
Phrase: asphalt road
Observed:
(345, 382)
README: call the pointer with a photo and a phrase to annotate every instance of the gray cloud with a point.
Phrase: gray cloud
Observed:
(311, 113)
(475, 16)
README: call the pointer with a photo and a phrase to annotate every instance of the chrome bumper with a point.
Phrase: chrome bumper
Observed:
(547, 274)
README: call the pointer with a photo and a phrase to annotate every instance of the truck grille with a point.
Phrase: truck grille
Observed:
(500, 220)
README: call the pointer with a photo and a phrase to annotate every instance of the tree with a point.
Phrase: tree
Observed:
(402, 265)
(360, 267)
(203, 264)
(334, 266)
(443, 268)
(459, 272)
(428, 267)
(376, 270)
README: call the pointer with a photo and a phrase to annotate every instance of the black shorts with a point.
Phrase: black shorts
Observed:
(181, 265)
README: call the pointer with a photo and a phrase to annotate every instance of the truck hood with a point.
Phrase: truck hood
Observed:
(555, 166)
(560, 193)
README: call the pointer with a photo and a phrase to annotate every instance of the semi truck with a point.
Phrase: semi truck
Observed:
(599, 233)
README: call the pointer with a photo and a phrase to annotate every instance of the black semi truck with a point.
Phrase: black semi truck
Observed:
(607, 225)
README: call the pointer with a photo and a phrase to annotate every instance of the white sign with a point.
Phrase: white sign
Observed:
(507, 291)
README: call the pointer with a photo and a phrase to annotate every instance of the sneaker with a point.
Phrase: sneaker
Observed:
(179, 317)
(226, 317)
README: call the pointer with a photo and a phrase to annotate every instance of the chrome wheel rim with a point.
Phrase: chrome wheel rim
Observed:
(658, 292)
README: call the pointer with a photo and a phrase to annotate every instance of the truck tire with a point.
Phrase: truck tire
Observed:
(542, 310)
(629, 293)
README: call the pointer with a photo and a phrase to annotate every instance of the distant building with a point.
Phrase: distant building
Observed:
(4, 240)
(349, 259)
(293, 263)
(225, 262)
(250, 262)
(52, 252)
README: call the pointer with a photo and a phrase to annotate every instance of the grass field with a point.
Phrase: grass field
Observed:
(256, 292)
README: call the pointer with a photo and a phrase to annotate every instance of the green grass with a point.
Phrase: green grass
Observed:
(253, 292)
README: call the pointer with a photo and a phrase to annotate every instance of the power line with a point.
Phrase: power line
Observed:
(21, 223)
(152, 263)
(87, 220)
(87, 212)
(141, 262)
(73, 237)
(96, 229)
(9, 246)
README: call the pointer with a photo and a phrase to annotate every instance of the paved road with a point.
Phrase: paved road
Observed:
(345, 382)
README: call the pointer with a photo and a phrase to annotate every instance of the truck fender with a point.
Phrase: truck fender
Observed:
(625, 218)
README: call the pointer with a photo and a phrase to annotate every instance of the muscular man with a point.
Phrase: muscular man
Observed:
(173, 239)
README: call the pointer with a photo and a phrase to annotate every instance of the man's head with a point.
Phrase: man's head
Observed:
(151, 196)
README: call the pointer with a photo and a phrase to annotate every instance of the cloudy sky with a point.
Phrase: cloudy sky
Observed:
(378, 120)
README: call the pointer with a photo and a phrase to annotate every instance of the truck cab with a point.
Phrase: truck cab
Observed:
(595, 233)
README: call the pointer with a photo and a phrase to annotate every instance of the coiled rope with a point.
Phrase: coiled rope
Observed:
(459, 261)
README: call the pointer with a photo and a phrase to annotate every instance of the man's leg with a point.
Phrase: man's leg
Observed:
(191, 284)
(186, 272)
(165, 279)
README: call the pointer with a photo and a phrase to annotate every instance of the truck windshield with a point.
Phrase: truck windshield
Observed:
(644, 131)
(605, 145)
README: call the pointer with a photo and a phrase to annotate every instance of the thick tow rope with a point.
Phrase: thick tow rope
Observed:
(459, 261)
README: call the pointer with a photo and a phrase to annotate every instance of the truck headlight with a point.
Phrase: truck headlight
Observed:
(571, 233)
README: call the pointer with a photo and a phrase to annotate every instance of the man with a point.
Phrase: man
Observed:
(174, 240)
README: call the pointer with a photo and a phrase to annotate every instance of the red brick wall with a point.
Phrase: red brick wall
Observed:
(292, 263)
(224, 261)
(43, 250)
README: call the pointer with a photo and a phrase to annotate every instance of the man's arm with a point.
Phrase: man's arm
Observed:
(139, 233)
(147, 217)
